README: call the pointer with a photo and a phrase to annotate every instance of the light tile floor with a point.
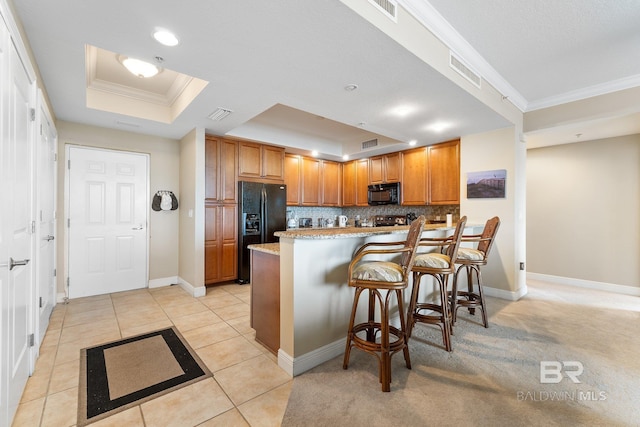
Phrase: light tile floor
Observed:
(247, 389)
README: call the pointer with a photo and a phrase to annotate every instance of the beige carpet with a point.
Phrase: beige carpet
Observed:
(121, 374)
(493, 376)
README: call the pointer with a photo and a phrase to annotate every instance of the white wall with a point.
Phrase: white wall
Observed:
(499, 149)
(583, 211)
(163, 175)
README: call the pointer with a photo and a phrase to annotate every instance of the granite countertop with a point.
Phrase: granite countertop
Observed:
(270, 248)
(346, 232)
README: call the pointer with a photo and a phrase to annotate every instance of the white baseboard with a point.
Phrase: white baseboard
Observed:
(194, 291)
(163, 281)
(588, 284)
(299, 365)
(502, 294)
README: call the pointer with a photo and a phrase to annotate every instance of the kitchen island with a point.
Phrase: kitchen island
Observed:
(315, 299)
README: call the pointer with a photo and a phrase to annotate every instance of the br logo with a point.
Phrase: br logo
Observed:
(551, 371)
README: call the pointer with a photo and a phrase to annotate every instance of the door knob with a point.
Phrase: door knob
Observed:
(137, 228)
(49, 238)
(13, 263)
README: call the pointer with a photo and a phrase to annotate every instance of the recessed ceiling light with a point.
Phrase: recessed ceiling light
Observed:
(140, 68)
(413, 142)
(165, 37)
(345, 157)
(351, 87)
(314, 153)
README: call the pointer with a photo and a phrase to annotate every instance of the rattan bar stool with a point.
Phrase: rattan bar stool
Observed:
(471, 259)
(439, 264)
(381, 280)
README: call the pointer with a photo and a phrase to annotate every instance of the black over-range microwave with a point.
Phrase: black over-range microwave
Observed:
(384, 194)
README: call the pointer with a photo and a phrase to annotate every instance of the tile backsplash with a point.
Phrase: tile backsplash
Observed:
(430, 212)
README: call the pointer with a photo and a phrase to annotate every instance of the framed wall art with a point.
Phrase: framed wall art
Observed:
(487, 184)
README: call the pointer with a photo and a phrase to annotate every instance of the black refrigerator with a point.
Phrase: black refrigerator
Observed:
(262, 211)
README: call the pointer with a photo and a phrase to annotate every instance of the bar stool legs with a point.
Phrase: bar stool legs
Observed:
(469, 298)
(365, 335)
(442, 313)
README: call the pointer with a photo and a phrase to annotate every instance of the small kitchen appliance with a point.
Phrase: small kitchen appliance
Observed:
(342, 220)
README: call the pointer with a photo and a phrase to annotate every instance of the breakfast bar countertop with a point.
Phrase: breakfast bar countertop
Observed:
(348, 232)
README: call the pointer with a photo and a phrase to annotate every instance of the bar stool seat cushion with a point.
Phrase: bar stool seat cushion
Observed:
(378, 271)
(470, 254)
(432, 260)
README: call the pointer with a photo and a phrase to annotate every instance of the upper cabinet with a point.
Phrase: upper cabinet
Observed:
(260, 162)
(220, 170)
(355, 179)
(312, 182)
(444, 173)
(414, 189)
(385, 168)
(331, 183)
(292, 165)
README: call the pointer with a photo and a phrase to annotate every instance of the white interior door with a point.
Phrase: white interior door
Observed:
(16, 275)
(46, 218)
(108, 209)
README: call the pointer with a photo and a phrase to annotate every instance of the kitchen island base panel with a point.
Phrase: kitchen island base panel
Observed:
(265, 299)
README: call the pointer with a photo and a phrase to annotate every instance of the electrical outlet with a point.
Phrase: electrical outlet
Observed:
(522, 266)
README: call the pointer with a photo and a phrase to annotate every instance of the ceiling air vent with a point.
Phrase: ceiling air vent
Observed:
(388, 7)
(369, 144)
(466, 72)
(220, 114)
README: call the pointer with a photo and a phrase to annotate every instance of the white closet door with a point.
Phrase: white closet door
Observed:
(16, 215)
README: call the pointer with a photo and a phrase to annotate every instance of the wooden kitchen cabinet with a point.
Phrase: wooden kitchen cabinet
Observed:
(292, 165)
(331, 183)
(221, 243)
(383, 169)
(260, 162)
(220, 170)
(221, 197)
(355, 180)
(310, 181)
(444, 173)
(414, 190)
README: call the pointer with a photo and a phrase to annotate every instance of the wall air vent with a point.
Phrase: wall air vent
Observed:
(220, 114)
(369, 144)
(388, 7)
(466, 72)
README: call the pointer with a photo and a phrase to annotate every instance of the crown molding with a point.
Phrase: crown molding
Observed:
(587, 92)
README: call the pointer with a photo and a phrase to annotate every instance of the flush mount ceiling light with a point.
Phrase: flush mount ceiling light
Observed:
(165, 37)
(139, 68)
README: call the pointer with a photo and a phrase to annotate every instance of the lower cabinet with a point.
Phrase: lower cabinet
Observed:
(221, 243)
(265, 299)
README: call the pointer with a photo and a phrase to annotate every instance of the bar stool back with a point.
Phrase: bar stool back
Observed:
(378, 278)
(439, 264)
(471, 259)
